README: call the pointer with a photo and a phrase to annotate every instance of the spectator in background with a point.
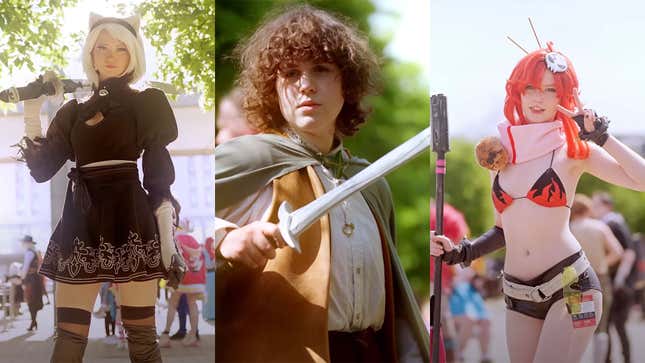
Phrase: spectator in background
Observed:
(209, 255)
(182, 308)
(182, 314)
(17, 293)
(624, 275)
(603, 250)
(193, 286)
(32, 283)
(231, 122)
(639, 239)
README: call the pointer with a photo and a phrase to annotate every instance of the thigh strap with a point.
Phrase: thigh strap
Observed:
(136, 312)
(543, 292)
(73, 315)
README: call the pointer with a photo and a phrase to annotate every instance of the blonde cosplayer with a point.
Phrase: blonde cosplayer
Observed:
(125, 30)
(115, 227)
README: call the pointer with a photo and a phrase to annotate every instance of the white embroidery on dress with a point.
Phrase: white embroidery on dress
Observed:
(133, 256)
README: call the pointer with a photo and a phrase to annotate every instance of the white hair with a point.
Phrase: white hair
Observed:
(137, 65)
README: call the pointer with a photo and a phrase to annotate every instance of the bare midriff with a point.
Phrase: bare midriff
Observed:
(536, 238)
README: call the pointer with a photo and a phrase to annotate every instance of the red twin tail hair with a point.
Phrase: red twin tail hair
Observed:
(529, 71)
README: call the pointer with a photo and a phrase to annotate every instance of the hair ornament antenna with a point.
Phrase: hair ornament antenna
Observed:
(519, 46)
(535, 33)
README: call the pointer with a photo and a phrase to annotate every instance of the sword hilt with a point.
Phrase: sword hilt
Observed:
(284, 215)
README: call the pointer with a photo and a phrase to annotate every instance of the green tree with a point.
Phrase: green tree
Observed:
(30, 34)
(630, 203)
(183, 33)
(400, 111)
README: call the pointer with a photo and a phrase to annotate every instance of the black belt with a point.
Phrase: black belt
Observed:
(362, 337)
(359, 346)
(78, 178)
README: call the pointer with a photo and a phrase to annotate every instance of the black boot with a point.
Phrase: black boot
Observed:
(68, 347)
(142, 344)
(33, 326)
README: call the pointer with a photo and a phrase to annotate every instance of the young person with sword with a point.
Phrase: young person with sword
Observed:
(553, 296)
(339, 297)
(111, 228)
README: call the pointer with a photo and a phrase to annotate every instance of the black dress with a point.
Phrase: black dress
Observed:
(107, 231)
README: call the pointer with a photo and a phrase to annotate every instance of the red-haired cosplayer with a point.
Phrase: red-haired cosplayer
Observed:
(552, 294)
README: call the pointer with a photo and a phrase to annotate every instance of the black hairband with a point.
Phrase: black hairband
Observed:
(121, 22)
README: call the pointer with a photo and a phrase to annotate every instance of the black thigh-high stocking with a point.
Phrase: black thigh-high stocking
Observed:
(71, 335)
(139, 323)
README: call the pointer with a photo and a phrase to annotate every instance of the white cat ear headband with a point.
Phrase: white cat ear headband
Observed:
(555, 61)
(131, 23)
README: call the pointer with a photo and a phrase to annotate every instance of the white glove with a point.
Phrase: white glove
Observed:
(165, 215)
(32, 108)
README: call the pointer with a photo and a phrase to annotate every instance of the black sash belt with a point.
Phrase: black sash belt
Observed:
(78, 177)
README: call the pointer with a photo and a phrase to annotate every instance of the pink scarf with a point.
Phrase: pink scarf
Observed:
(530, 141)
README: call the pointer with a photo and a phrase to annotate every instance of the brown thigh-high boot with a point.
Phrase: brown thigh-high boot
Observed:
(142, 336)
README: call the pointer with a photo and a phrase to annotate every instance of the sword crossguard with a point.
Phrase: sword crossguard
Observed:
(284, 215)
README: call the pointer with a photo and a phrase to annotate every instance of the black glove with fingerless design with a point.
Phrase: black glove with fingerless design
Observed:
(466, 251)
(599, 135)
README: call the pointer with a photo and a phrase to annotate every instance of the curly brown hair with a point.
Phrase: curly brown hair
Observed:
(304, 33)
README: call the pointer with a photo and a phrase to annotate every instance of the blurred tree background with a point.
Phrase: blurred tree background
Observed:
(400, 111)
(183, 33)
(30, 34)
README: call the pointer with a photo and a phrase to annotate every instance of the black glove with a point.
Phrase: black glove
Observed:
(599, 135)
(466, 251)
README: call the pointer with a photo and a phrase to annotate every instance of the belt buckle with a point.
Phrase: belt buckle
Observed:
(536, 295)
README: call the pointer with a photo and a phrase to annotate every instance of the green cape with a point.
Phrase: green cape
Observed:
(247, 163)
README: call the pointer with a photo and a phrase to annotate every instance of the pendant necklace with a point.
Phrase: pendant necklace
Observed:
(334, 175)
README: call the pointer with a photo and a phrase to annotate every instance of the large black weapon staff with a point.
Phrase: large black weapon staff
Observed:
(439, 127)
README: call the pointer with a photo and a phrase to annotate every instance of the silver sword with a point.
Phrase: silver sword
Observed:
(293, 223)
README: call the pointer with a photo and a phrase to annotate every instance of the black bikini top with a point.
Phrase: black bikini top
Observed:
(548, 191)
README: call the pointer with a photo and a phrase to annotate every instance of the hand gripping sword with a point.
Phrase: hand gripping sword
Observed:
(439, 114)
(293, 223)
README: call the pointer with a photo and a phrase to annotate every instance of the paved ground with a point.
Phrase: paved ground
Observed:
(19, 346)
(635, 327)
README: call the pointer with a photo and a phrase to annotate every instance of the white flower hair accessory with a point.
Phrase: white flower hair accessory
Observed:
(555, 62)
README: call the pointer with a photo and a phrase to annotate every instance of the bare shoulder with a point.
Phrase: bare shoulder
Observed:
(573, 166)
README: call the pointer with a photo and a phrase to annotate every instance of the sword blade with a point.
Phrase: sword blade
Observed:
(293, 223)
